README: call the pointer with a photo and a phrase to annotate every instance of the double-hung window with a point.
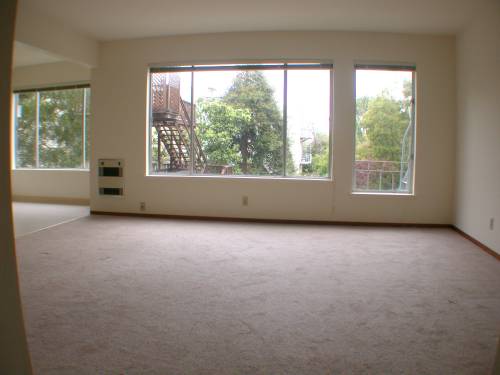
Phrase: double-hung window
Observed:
(241, 120)
(52, 127)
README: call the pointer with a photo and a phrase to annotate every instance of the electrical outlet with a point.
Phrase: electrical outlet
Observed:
(142, 206)
(492, 223)
(244, 200)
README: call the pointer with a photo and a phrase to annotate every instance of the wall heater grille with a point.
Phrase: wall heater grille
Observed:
(110, 177)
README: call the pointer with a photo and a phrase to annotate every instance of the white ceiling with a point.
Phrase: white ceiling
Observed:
(124, 19)
(26, 55)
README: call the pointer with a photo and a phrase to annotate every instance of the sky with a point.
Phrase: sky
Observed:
(373, 82)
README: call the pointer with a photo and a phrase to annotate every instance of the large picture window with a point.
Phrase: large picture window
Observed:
(241, 120)
(52, 128)
(385, 129)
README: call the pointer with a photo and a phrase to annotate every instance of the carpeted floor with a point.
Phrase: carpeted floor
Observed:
(111, 295)
(31, 217)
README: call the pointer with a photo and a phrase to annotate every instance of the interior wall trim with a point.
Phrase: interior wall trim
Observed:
(272, 221)
(478, 243)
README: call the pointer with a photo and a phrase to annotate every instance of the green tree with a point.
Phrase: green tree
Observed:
(320, 153)
(361, 108)
(60, 129)
(220, 126)
(261, 141)
(407, 94)
(26, 130)
(244, 128)
(385, 124)
(382, 134)
(61, 121)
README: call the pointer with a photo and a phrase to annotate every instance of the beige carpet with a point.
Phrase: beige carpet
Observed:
(31, 217)
(108, 295)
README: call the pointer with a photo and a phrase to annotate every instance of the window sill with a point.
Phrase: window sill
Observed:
(232, 177)
(382, 194)
(53, 169)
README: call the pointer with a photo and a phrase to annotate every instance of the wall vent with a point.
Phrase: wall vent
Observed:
(110, 177)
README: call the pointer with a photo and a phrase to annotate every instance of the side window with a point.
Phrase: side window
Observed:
(385, 129)
(51, 128)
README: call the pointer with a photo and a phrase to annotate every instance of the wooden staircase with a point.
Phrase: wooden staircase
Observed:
(174, 127)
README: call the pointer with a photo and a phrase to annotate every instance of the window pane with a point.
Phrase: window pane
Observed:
(61, 119)
(384, 131)
(239, 122)
(26, 130)
(170, 149)
(308, 123)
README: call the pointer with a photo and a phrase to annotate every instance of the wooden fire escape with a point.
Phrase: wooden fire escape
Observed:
(174, 126)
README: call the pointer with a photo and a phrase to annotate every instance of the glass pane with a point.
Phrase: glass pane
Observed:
(26, 130)
(308, 123)
(384, 131)
(61, 118)
(171, 123)
(239, 122)
(88, 123)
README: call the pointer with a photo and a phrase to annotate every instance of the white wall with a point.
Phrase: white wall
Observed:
(478, 138)
(120, 109)
(64, 184)
(52, 74)
(39, 30)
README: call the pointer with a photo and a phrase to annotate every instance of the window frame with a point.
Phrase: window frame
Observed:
(241, 66)
(411, 176)
(85, 165)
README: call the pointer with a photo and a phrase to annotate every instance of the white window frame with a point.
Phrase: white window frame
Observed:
(411, 166)
(285, 66)
(85, 165)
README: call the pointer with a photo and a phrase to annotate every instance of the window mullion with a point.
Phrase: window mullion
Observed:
(191, 130)
(37, 131)
(84, 128)
(330, 127)
(16, 125)
(413, 131)
(285, 84)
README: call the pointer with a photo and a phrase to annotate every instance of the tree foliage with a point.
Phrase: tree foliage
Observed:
(220, 126)
(26, 131)
(320, 152)
(381, 123)
(383, 140)
(244, 127)
(60, 129)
